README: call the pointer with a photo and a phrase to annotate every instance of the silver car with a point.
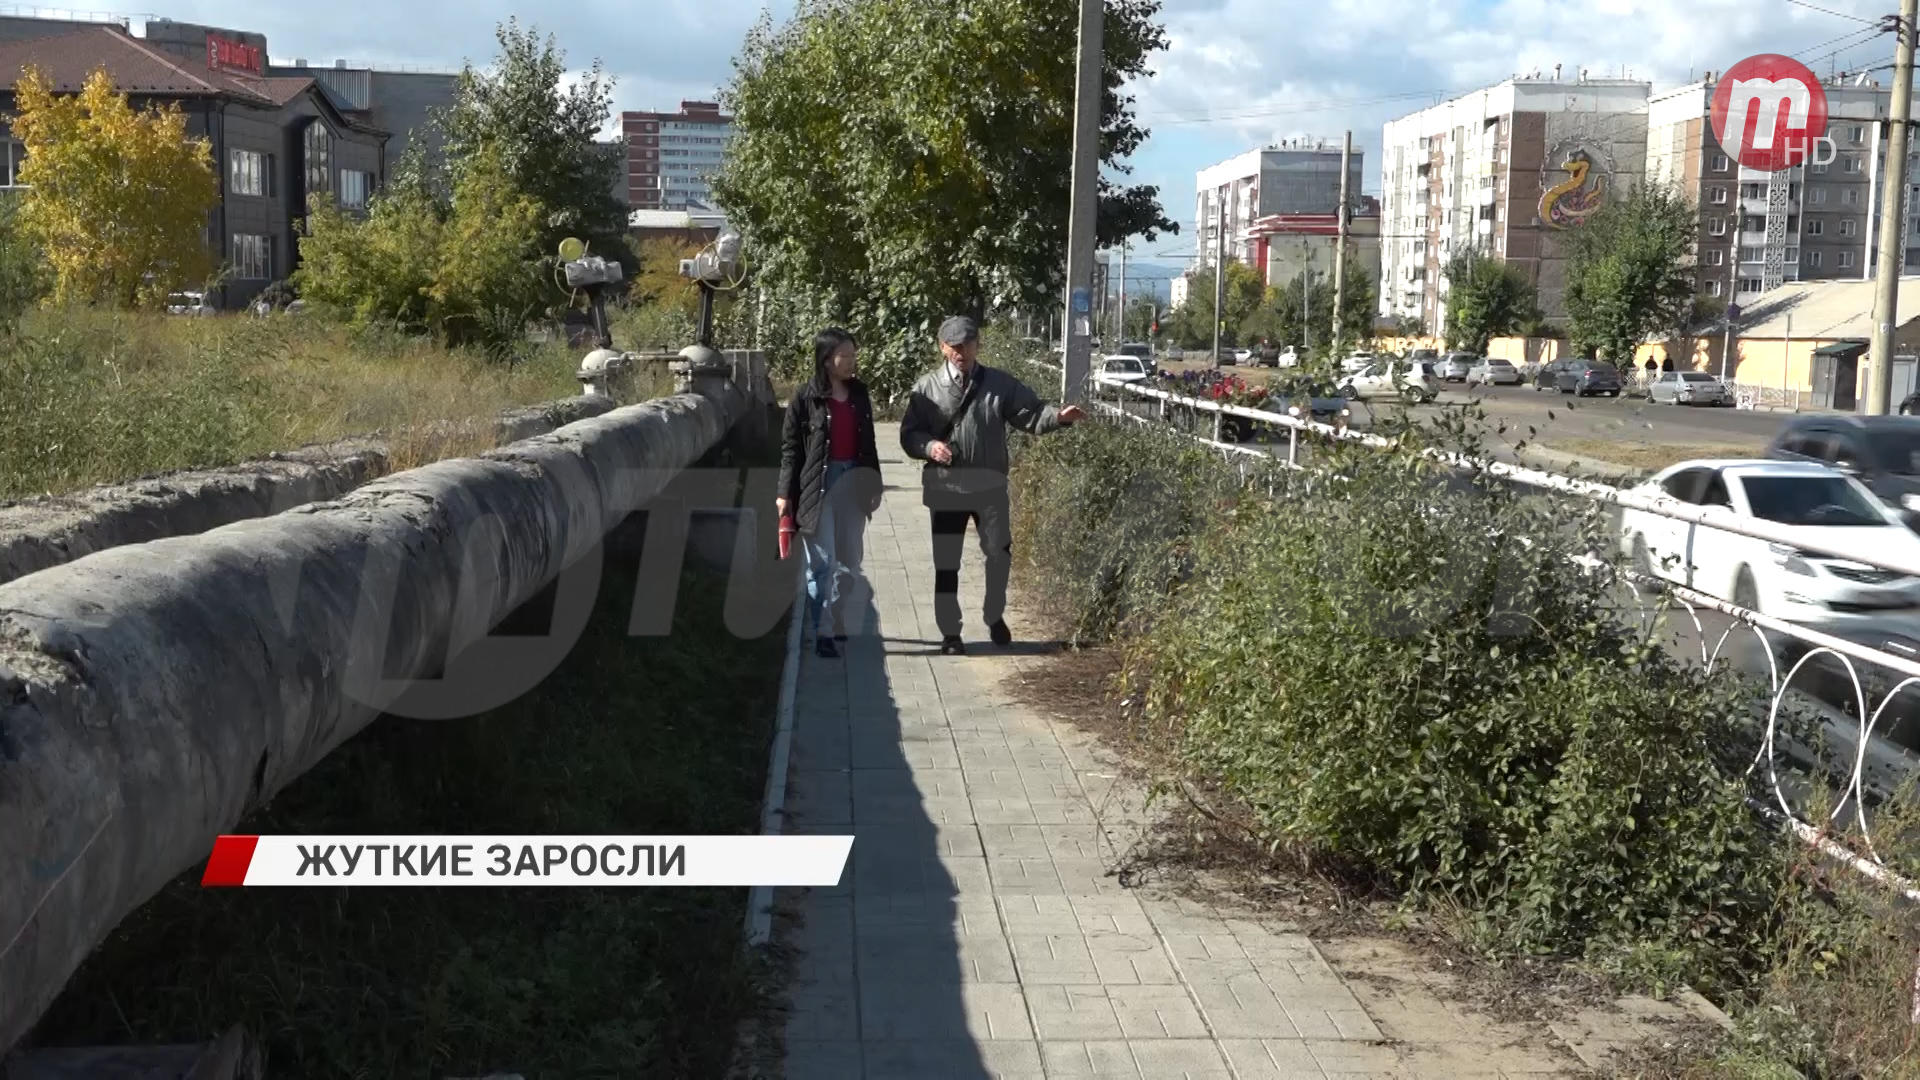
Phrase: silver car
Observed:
(1455, 366)
(1491, 371)
(1688, 388)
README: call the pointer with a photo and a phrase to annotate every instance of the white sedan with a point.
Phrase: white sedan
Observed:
(1800, 585)
(1411, 380)
(1123, 369)
(1492, 371)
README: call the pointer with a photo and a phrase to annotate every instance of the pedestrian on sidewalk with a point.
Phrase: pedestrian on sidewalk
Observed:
(957, 422)
(830, 481)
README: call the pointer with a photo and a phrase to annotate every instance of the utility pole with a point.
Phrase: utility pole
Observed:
(1123, 293)
(1083, 225)
(1893, 204)
(1733, 294)
(1340, 250)
(1219, 273)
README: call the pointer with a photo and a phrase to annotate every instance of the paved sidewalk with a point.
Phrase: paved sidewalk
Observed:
(977, 933)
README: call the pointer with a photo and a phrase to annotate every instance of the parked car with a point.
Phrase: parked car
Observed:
(1124, 369)
(1424, 354)
(1175, 352)
(1589, 377)
(1139, 350)
(1412, 380)
(1493, 372)
(1799, 585)
(1882, 452)
(1357, 363)
(1910, 405)
(1547, 376)
(189, 303)
(1289, 357)
(1265, 355)
(1454, 366)
(1239, 356)
(1688, 388)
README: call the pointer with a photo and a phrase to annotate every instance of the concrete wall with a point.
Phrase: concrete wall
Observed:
(151, 696)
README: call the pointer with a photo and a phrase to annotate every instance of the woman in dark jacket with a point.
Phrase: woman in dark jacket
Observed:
(830, 480)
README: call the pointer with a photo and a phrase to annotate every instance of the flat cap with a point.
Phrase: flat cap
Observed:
(959, 330)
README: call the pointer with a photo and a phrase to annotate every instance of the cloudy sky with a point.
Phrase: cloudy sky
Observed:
(1239, 73)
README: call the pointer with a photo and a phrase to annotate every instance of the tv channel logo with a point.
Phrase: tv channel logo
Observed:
(1770, 113)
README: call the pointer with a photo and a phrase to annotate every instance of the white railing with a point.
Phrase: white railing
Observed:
(1753, 396)
(1856, 792)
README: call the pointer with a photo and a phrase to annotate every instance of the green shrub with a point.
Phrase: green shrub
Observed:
(1375, 665)
(23, 273)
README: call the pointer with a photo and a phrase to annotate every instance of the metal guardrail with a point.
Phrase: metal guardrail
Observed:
(1820, 644)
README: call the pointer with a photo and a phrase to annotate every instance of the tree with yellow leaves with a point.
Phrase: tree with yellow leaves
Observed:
(116, 198)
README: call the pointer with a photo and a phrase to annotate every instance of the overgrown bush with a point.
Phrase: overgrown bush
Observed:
(468, 271)
(1370, 659)
(23, 273)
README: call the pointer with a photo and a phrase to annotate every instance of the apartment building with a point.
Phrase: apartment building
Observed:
(1817, 221)
(1506, 169)
(672, 157)
(277, 142)
(1298, 177)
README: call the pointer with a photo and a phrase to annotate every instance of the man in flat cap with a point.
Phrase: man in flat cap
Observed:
(957, 423)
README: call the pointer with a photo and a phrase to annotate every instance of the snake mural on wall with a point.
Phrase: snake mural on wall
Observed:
(1589, 174)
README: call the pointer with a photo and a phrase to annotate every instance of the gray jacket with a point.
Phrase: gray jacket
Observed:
(979, 438)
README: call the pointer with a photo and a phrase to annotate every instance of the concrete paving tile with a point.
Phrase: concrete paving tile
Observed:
(1073, 1012)
(822, 1059)
(1104, 1058)
(1156, 1012)
(953, 1059)
(1270, 1059)
(1243, 1008)
(1186, 1059)
(927, 1010)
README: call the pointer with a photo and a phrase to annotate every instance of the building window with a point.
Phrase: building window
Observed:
(1752, 254)
(319, 154)
(1816, 227)
(1814, 259)
(355, 186)
(1749, 285)
(1717, 195)
(1713, 288)
(252, 257)
(1793, 255)
(1846, 260)
(1716, 226)
(1753, 191)
(1848, 226)
(1818, 195)
(1857, 134)
(1855, 163)
(1851, 197)
(247, 173)
(1720, 163)
(12, 156)
(1819, 166)
(1715, 258)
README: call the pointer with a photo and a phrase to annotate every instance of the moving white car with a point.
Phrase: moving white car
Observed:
(1688, 388)
(1123, 369)
(1492, 371)
(1413, 380)
(1800, 585)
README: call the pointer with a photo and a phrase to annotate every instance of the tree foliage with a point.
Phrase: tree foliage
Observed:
(1192, 323)
(22, 270)
(117, 198)
(895, 161)
(543, 133)
(469, 271)
(1287, 317)
(1486, 299)
(1630, 271)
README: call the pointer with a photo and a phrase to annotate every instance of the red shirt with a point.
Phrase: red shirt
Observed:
(843, 434)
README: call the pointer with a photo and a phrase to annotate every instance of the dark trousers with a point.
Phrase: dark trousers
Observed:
(993, 523)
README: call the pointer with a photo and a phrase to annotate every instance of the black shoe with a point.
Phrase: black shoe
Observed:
(825, 650)
(953, 646)
(839, 637)
(1002, 636)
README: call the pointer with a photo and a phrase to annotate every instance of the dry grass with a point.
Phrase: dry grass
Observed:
(1651, 456)
(90, 397)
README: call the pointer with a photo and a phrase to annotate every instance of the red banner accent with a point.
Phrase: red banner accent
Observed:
(227, 867)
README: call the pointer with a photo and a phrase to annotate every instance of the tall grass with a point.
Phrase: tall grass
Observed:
(90, 396)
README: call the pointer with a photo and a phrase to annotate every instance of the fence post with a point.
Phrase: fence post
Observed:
(1218, 417)
(1293, 448)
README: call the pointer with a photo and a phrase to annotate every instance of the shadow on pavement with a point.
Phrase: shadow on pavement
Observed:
(883, 983)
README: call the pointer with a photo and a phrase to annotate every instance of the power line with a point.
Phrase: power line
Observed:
(1835, 14)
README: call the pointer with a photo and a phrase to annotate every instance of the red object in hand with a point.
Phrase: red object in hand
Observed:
(787, 529)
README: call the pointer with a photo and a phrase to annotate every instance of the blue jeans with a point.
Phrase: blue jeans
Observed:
(834, 548)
